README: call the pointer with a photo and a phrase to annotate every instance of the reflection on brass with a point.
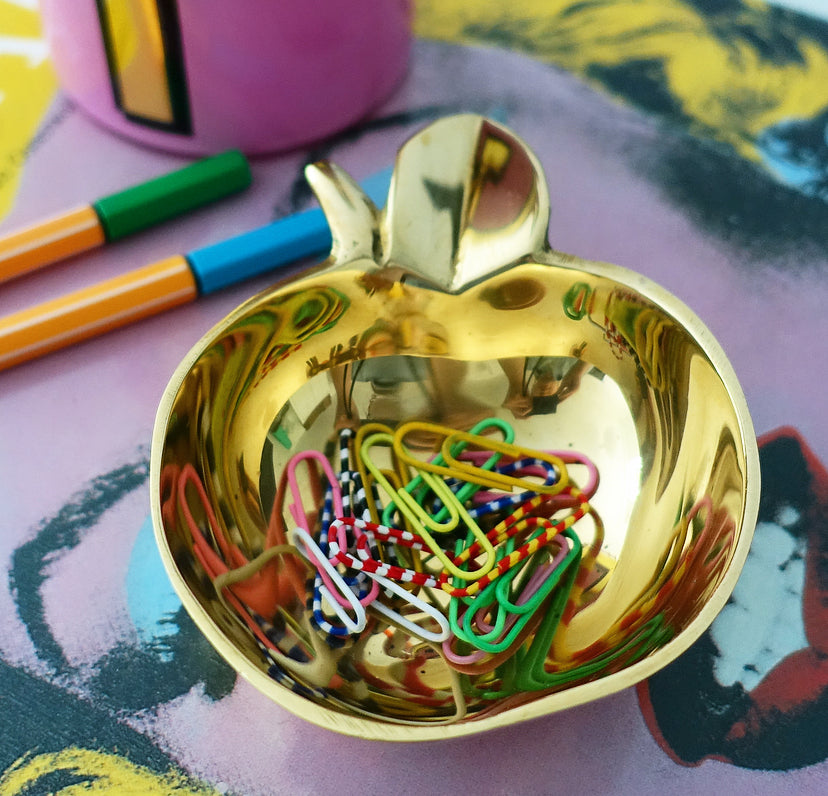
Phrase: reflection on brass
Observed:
(449, 306)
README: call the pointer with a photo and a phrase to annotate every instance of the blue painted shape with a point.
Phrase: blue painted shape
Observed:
(151, 599)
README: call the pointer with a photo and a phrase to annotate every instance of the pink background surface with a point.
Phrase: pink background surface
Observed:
(72, 416)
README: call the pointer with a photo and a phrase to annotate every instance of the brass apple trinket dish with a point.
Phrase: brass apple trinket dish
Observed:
(452, 479)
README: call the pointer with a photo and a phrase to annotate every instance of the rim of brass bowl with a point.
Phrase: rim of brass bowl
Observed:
(546, 270)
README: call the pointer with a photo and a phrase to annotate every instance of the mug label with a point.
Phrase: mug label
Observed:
(142, 39)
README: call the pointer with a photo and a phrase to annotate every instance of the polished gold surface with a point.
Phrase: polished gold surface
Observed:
(446, 307)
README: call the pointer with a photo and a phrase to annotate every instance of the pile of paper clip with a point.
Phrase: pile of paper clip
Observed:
(470, 544)
(462, 521)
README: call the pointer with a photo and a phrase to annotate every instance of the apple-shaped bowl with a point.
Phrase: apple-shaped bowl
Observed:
(442, 339)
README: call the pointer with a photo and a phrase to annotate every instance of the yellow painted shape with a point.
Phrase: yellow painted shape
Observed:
(717, 78)
(95, 772)
(27, 87)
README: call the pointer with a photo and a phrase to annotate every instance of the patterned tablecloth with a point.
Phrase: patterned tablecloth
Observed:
(685, 139)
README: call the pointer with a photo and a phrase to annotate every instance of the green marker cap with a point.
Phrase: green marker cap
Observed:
(172, 195)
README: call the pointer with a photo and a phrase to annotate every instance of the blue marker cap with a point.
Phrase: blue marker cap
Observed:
(280, 243)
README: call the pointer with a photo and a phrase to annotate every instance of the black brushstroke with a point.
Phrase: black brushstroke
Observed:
(38, 717)
(58, 535)
(738, 201)
(135, 678)
(773, 32)
(644, 81)
(803, 145)
(128, 677)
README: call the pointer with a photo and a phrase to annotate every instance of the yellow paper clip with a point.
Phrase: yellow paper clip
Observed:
(447, 465)
(471, 472)
(420, 521)
(468, 489)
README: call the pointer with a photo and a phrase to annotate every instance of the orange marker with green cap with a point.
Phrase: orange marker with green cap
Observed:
(121, 214)
(170, 282)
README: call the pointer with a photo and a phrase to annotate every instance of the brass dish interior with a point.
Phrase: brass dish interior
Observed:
(642, 389)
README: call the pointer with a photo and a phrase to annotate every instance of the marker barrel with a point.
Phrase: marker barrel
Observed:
(50, 241)
(94, 310)
(124, 213)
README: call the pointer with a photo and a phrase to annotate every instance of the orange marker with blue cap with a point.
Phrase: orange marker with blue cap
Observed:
(169, 283)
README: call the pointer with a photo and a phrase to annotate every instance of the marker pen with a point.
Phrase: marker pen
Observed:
(124, 213)
(166, 284)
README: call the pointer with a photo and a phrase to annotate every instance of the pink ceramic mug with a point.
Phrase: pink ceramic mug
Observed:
(200, 76)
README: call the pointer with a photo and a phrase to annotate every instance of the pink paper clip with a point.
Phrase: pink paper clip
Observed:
(297, 508)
